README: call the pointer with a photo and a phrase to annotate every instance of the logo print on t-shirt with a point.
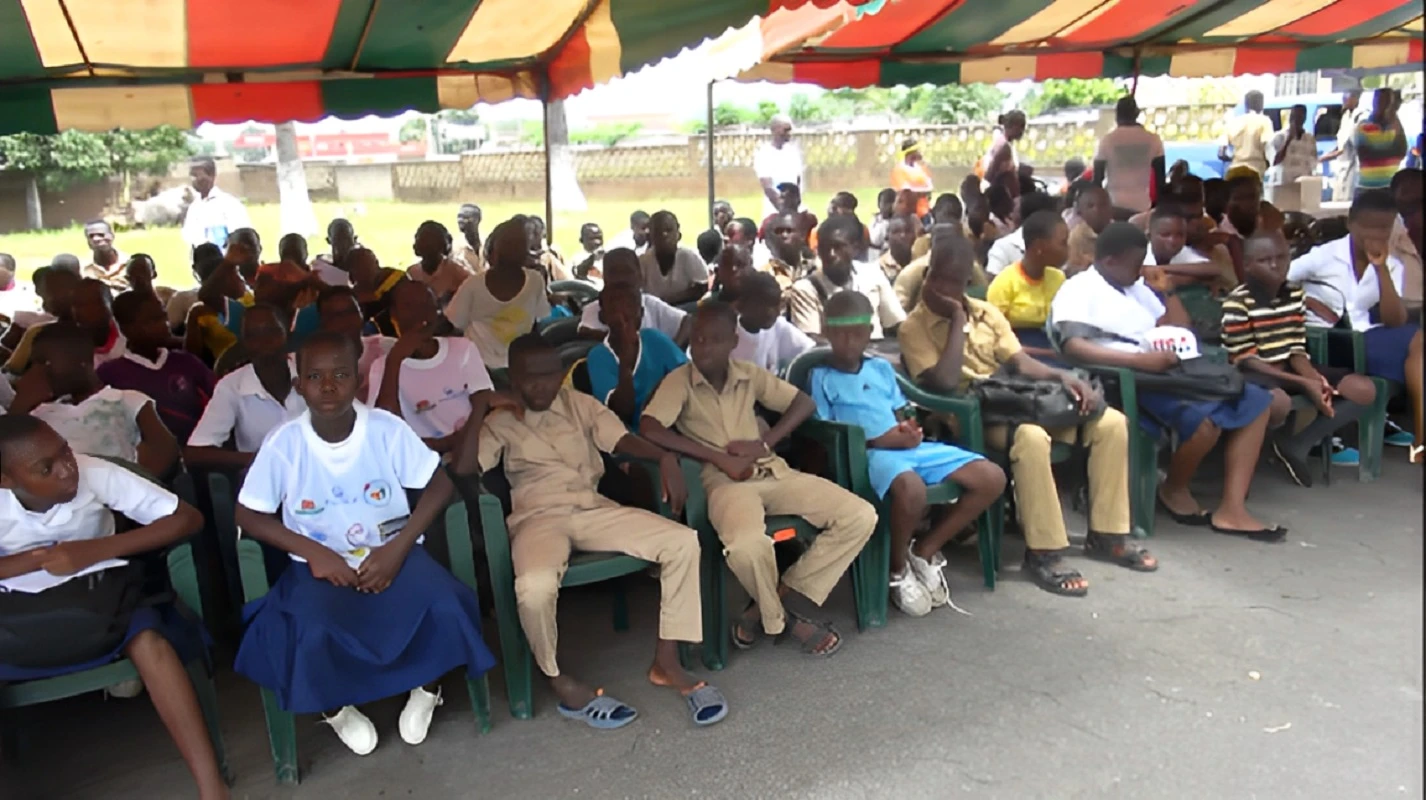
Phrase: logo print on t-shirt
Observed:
(356, 535)
(308, 507)
(377, 493)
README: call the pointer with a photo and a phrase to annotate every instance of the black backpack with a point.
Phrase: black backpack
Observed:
(77, 621)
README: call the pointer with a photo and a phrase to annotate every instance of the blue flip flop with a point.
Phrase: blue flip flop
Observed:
(707, 705)
(603, 713)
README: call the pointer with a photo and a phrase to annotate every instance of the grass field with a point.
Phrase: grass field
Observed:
(387, 228)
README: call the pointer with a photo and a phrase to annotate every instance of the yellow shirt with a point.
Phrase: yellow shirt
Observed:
(1024, 302)
(990, 341)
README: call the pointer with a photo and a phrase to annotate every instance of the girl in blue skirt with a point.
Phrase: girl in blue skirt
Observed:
(364, 613)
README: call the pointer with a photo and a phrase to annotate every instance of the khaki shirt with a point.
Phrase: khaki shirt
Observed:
(687, 401)
(907, 283)
(554, 267)
(444, 282)
(470, 258)
(891, 268)
(1082, 240)
(115, 275)
(552, 457)
(990, 341)
(1404, 249)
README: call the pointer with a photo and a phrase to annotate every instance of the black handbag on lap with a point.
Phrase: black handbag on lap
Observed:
(77, 621)
(1194, 379)
(1009, 399)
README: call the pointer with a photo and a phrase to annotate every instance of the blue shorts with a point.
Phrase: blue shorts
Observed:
(1163, 412)
(1386, 351)
(932, 461)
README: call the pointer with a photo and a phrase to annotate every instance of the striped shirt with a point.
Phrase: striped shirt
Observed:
(1271, 329)
(1379, 154)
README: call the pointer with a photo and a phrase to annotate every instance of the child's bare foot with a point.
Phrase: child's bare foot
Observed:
(1182, 506)
(675, 677)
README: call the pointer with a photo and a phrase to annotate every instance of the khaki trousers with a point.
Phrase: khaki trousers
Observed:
(1036, 496)
(540, 548)
(739, 509)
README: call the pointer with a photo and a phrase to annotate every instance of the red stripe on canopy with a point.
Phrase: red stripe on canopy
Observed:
(1125, 18)
(1068, 65)
(250, 34)
(569, 71)
(1342, 15)
(853, 74)
(239, 102)
(1264, 60)
(891, 26)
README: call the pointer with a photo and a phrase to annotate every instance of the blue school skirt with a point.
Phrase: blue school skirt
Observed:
(1386, 351)
(186, 636)
(1164, 412)
(933, 461)
(321, 647)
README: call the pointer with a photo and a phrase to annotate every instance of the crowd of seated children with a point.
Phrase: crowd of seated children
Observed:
(362, 612)
(373, 284)
(507, 300)
(765, 337)
(1265, 333)
(339, 311)
(1109, 316)
(342, 239)
(1356, 283)
(546, 258)
(1093, 212)
(899, 235)
(63, 389)
(1187, 193)
(177, 381)
(861, 390)
(908, 283)
(22, 318)
(1022, 292)
(435, 267)
(710, 244)
(876, 231)
(626, 367)
(1407, 237)
(550, 447)
(672, 273)
(293, 290)
(89, 309)
(57, 518)
(1010, 248)
(705, 410)
(622, 267)
(436, 383)
(951, 340)
(839, 271)
(251, 401)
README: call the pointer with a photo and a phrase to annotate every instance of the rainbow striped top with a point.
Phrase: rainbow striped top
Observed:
(1379, 154)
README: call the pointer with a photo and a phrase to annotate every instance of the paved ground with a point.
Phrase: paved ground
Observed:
(1238, 671)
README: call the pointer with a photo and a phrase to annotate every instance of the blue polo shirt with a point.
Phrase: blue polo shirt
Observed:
(658, 356)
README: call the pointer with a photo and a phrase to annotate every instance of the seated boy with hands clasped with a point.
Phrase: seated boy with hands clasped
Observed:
(364, 612)
(550, 444)
(862, 391)
(711, 403)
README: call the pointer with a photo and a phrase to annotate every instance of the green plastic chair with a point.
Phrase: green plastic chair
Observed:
(282, 725)
(967, 414)
(1371, 425)
(584, 568)
(582, 292)
(870, 581)
(183, 575)
(978, 292)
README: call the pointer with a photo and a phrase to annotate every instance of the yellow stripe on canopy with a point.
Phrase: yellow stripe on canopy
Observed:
(604, 47)
(1203, 63)
(997, 69)
(464, 91)
(136, 107)
(506, 29)
(140, 33)
(1270, 16)
(1382, 53)
(772, 71)
(1060, 18)
(1418, 25)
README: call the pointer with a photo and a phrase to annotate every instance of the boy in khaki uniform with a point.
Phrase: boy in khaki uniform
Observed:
(950, 340)
(551, 455)
(711, 401)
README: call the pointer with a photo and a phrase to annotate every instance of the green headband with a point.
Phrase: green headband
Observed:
(843, 322)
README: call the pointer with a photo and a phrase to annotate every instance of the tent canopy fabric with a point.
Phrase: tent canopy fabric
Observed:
(101, 64)
(912, 42)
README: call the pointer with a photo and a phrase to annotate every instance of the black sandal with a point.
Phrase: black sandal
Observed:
(1118, 548)
(738, 641)
(1198, 519)
(1043, 570)
(1274, 535)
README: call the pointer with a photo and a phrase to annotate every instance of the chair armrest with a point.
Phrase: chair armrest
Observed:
(183, 575)
(654, 473)
(253, 569)
(963, 408)
(492, 525)
(1317, 345)
(695, 508)
(459, 548)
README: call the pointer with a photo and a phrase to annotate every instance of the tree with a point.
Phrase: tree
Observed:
(950, 105)
(729, 115)
(803, 108)
(294, 203)
(1056, 94)
(767, 109)
(412, 130)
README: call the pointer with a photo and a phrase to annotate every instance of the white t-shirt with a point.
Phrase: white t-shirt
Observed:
(1129, 152)
(1326, 274)
(1301, 158)
(104, 488)
(328, 273)
(625, 239)
(493, 324)
(1185, 255)
(1125, 317)
(104, 424)
(772, 348)
(688, 270)
(373, 349)
(347, 496)
(1006, 250)
(435, 392)
(210, 219)
(659, 315)
(242, 408)
(778, 164)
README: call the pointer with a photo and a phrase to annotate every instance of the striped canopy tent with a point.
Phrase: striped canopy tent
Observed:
(913, 42)
(103, 64)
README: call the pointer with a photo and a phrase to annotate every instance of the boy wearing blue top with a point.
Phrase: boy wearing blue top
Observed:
(628, 365)
(861, 390)
(363, 612)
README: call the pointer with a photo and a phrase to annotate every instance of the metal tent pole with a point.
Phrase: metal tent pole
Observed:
(709, 148)
(549, 181)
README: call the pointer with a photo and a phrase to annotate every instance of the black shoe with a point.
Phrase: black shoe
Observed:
(1296, 467)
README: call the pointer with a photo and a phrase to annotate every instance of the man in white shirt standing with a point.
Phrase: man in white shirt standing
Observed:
(215, 213)
(1246, 142)
(1344, 155)
(1130, 160)
(1295, 148)
(776, 162)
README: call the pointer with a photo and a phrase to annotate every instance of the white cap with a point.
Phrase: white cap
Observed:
(1172, 337)
(780, 119)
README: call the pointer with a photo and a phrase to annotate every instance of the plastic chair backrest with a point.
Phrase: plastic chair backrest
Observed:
(582, 292)
(799, 372)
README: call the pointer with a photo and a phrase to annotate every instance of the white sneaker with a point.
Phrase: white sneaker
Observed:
(354, 729)
(930, 575)
(126, 690)
(909, 595)
(416, 716)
